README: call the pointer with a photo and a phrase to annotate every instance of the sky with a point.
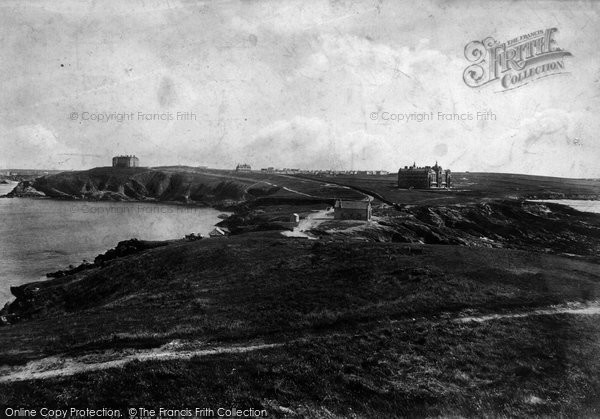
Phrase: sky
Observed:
(301, 84)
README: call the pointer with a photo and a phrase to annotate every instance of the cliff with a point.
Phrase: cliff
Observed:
(25, 189)
(135, 184)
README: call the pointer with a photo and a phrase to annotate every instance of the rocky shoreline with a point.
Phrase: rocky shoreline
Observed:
(27, 303)
(534, 227)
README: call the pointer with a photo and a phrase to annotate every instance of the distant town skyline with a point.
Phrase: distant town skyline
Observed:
(310, 85)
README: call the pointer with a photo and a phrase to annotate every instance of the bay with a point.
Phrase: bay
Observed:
(38, 236)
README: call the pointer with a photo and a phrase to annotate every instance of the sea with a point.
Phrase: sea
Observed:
(579, 205)
(38, 236)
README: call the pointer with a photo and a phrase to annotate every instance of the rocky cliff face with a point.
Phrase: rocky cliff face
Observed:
(537, 227)
(25, 189)
(134, 184)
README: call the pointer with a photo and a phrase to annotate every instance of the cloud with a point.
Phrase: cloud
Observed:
(549, 142)
(312, 143)
(32, 146)
(359, 150)
(293, 16)
(290, 84)
(300, 142)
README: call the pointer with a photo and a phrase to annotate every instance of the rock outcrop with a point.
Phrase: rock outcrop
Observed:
(25, 189)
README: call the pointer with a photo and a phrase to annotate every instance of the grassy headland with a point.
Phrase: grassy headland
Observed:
(374, 327)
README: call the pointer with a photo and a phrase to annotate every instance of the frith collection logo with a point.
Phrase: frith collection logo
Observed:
(516, 62)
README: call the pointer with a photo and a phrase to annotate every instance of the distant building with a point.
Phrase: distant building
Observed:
(243, 168)
(424, 177)
(125, 161)
(268, 170)
(352, 210)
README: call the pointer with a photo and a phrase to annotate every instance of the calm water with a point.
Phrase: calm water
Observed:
(41, 235)
(579, 205)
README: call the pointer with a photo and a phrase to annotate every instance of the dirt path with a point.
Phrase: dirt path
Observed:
(57, 366)
(284, 188)
(367, 193)
(298, 192)
(590, 308)
(311, 221)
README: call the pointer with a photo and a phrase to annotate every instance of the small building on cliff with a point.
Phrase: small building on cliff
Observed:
(427, 177)
(352, 210)
(125, 161)
(219, 232)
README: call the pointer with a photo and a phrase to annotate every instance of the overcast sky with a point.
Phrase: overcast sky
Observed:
(291, 84)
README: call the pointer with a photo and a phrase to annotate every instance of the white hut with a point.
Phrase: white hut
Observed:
(294, 219)
(218, 232)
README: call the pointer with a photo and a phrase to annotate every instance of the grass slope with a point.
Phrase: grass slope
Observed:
(368, 327)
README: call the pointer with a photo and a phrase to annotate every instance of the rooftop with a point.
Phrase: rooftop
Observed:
(352, 204)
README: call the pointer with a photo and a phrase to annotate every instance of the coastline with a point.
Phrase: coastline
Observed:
(577, 204)
(165, 221)
(472, 226)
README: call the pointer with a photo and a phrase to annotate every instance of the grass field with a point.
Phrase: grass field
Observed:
(510, 368)
(367, 329)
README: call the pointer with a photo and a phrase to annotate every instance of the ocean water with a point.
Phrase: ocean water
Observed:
(579, 205)
(38, 236)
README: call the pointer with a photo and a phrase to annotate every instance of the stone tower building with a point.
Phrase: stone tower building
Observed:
(125, 161)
